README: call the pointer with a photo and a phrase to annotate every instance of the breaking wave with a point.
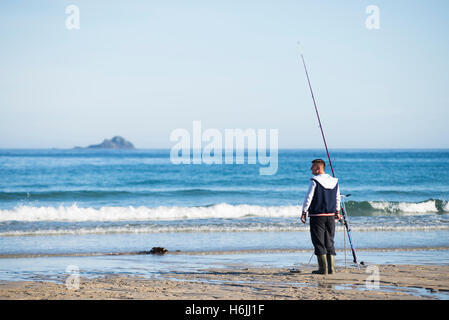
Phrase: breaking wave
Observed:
(74, 213)
(208, 228)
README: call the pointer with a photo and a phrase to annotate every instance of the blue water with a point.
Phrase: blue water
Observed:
(95, 178)
(69, 201)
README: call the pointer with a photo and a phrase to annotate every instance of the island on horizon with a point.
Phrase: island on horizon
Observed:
(116, 142)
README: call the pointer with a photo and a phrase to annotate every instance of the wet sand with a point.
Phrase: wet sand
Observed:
(211, 252)
(395, 282)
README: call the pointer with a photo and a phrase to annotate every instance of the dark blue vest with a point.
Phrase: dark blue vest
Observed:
(324, 200)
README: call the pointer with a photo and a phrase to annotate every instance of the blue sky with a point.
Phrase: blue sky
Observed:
(141, 69)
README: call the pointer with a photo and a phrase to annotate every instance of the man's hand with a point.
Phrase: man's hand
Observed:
(337, 216)
(303, 217)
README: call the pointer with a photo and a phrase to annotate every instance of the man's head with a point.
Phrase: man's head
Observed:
(318, 166)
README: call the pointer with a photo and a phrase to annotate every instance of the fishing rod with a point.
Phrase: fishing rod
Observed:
(348, 227)
(343, 209)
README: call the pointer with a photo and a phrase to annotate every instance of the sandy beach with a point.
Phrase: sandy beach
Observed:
(396, 282)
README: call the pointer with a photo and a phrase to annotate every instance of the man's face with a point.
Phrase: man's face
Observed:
(315, 169)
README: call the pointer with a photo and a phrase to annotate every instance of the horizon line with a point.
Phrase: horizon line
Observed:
(223, 149)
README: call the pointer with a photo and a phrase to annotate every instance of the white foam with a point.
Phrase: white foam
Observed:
(77, 214)
(407, 208)
(210, 228)
(446, 207)
(74, 213)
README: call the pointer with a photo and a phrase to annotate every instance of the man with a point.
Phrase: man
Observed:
(322, 204)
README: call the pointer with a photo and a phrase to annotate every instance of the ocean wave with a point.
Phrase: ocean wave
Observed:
(78, 214)
(209, 228)
(74, 213)
(376, 208)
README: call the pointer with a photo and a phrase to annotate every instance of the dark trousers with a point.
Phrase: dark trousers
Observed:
(322, 230)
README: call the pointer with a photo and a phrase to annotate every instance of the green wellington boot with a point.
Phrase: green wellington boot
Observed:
(322, 265)
(330, 264)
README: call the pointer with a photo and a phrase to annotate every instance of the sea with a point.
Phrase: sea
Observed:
(82, 203)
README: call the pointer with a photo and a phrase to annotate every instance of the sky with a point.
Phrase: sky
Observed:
(141, 69)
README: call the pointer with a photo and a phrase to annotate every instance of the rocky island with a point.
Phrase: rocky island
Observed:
(116, 142)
